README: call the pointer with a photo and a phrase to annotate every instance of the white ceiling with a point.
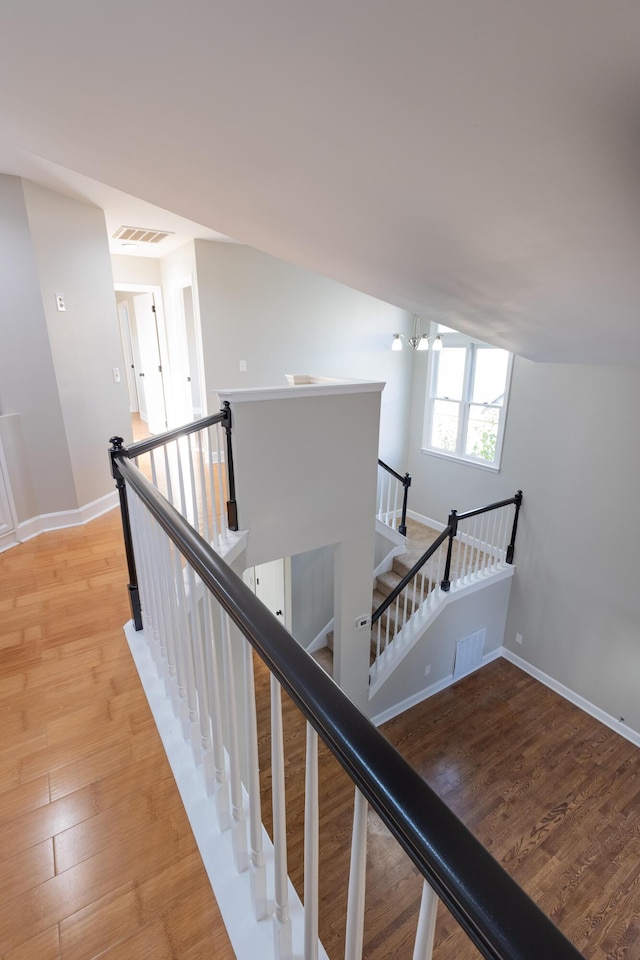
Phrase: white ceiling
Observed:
(474, 161)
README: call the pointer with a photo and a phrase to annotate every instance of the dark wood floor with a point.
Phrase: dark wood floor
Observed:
(551, 792)
(96, 856)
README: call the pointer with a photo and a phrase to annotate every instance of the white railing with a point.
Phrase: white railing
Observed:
(392, 498)
(201, 627)
(475, 546)
(190, 471)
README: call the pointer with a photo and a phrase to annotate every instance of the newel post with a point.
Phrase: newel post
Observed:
(232, 506)
(406, 483)
(514, 530)
(134, 596)
(453, 523)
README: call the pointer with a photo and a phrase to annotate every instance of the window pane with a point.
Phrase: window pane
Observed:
(490, 376)
(482, 432)
(444, 427)
(450, 379)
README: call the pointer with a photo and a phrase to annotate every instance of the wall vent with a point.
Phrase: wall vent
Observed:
(141, 235)
(469, 654)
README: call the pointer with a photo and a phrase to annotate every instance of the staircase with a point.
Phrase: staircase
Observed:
(419, 537)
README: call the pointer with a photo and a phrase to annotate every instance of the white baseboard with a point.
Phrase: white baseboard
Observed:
(66, 518)
(582, 703)
(609, 721)
(429, 691)
(427, 521)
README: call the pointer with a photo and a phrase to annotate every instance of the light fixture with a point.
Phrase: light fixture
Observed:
(419, 341)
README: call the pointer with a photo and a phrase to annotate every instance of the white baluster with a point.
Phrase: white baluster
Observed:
(189, 713)
(465, 554)
(388, 512)
(504, 526)
(423, 949)
(197, 591)
(258, 877)
(223, 486)
(394, 522)
(202, 485)
(311, 854)
(484, 528)
(158, 542)
(238, 826)
(494, 538)
(380, 490)
(213, 494)
(172, 627)
(357, 881)
(217, 784)
(281, 919)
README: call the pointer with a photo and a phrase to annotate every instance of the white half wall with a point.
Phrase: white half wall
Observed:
(283, 319)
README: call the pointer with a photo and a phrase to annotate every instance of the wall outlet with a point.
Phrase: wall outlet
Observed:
(60, 302)
(243, 366)
(116, 374)
(518, 638)
(362, 622)
(427, 670)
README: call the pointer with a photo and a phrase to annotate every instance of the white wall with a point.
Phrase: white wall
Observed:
(305, 470)
(143, 270)
(282, 319)
(484, 609)
(570, 445)
(311, 593)
(72, 257)
(39, 464)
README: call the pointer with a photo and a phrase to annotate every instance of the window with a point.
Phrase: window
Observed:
(468, 383)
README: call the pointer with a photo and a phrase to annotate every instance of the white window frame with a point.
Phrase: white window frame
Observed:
(471, 346)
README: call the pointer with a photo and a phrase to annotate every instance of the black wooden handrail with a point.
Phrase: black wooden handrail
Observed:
(406, 483)
(495, 913)
(119, 453)
(455, 518)
(408, 577)
(140, 447)
(450, 531)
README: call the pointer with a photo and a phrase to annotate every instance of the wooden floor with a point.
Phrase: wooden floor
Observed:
(553, 794)
(96, 856)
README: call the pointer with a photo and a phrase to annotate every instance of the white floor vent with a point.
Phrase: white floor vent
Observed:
(469, 653)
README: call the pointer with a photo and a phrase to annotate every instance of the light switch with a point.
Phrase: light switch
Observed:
(60, 302)
(243, 366)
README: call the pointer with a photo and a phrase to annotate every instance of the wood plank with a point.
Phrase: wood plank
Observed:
(78, 747)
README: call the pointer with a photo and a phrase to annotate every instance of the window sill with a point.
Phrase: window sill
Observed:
(490, 467)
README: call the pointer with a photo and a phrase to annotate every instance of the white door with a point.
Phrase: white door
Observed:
(267, 582)
(150, 363)
(127, 349)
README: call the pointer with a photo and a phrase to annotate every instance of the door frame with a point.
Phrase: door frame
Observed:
(179, 287)
(167, 378)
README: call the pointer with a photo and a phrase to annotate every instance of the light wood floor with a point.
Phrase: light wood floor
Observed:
(96, 856)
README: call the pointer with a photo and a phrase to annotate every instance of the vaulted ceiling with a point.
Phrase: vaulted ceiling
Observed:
(473, 161)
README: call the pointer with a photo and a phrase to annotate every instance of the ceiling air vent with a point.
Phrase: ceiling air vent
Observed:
(141, 235)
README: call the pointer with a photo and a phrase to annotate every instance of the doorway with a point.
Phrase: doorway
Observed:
(190, 337)
(144, 347)
(271, 583)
